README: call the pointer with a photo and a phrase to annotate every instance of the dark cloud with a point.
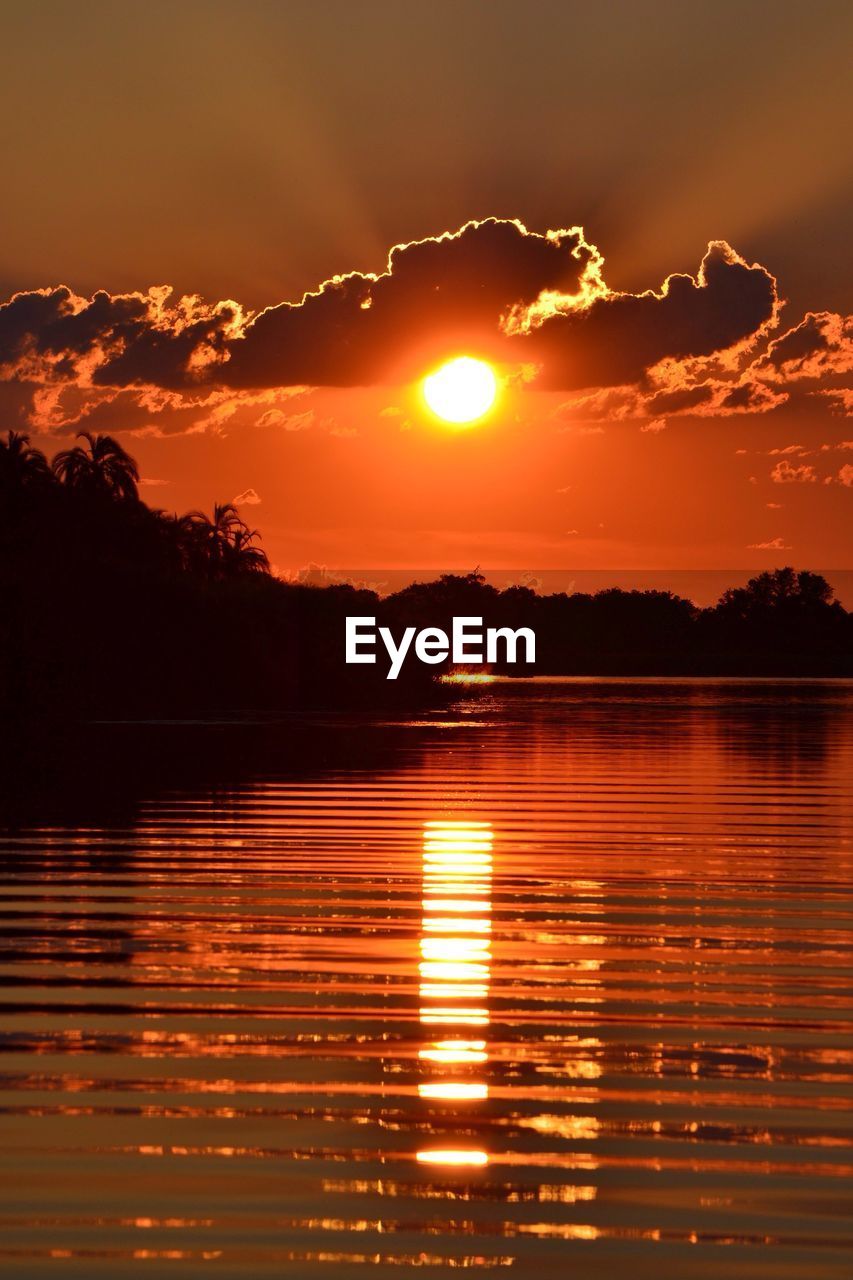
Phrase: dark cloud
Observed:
(53, 325)
(434, 294)
(492, 287)
(120, 340)
(354, 329)
(821, 345)
(747, 397)
(171, 358)
(679, 400)
(620, 335)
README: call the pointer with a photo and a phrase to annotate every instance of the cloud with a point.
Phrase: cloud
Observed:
(840, 400)
(745, 397)
(785, 473)
(287, 421)
(775, 544)
(820, 345)
(65, 409)
(699, 345)
(365, 328)
(119, 340)
(248, 498)
(668, 390)
(616, 337)
(539, 303)
(845, 475)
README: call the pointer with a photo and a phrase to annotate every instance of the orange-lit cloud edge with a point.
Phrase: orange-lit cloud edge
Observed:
(708, 345)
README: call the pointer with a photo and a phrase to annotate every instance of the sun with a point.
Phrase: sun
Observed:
(461, 390)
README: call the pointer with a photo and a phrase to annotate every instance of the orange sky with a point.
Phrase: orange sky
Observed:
(523, 490)
(253, 152)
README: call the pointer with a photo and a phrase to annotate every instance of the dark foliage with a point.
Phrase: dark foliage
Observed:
(111, 609)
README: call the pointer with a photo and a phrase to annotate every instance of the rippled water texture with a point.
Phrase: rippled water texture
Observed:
(555, 981)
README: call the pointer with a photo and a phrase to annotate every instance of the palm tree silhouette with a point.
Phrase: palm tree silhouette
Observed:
(21, 466)
(247, 557)
(101, 467)
(222, 545)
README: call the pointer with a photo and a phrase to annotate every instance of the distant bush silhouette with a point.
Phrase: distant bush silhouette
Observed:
(111, 608)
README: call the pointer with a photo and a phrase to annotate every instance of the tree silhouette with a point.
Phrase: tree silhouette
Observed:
(95, 585)
(103, 467)
(247, 557)
(22, 468)
(221, 546)
(778, 590)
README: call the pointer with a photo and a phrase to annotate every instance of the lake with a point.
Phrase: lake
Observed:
(552, 980)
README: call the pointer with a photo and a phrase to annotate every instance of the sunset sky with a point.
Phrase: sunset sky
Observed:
(202, 203)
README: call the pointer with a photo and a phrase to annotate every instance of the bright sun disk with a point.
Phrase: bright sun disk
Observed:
(462, 390)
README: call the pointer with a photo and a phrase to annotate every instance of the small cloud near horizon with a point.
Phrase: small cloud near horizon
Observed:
(774, 544)
(248, 498)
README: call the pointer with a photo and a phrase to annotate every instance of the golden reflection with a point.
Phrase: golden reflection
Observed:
(441, 924)
(464, 677)
(454, 1090)
(450, 972)
(457, 990)
(454, 1157)
(455, 1051)
(455, 1017)
(455, 968)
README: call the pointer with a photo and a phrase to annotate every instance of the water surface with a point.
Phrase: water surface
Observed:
(555, 980)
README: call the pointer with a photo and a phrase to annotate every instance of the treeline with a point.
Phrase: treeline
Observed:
(113, 609)
(782, 623)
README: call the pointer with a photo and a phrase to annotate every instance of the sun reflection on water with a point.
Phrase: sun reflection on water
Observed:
(455, 969)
